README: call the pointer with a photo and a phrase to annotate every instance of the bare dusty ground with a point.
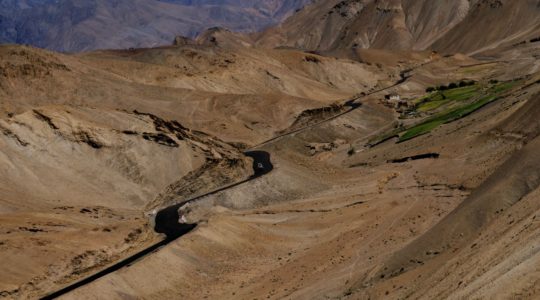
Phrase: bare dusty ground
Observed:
(434, 228)
(91, 143)
(330, 225)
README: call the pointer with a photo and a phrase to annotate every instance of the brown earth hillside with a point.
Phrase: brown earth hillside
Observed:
(451, 213)
(445, 26)
(396, 173)
(91, 143)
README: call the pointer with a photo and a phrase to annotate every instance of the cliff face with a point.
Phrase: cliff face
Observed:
(77, 25)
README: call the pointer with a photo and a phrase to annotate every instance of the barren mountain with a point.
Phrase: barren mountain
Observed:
(447, 26)
(77, 25)
(221, 168)
(92, 143)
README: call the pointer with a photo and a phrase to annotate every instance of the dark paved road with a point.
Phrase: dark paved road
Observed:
(167, 222)
(167, 219)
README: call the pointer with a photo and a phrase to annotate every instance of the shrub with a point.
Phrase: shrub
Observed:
(430, 89)
(452, 86)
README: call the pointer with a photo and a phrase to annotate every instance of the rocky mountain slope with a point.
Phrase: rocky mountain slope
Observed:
(396, 173)
(446, 26)
(450, 213)
(77, 25)
(92, 143)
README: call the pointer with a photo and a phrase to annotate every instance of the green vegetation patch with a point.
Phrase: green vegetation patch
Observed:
(460, 94)
(503, 87)
(421, 129)
(384, 137)
(437, 99)
(446, 117)
(455, 103)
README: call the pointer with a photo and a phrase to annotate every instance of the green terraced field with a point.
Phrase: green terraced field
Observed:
(448, 106)
(452, 113)
(437, 99)
(446, 117)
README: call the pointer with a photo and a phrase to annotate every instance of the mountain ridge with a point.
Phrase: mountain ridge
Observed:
(446, 26)
(77, 25)
(395, 173)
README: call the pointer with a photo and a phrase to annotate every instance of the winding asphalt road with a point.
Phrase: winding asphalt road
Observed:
(167, 220)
